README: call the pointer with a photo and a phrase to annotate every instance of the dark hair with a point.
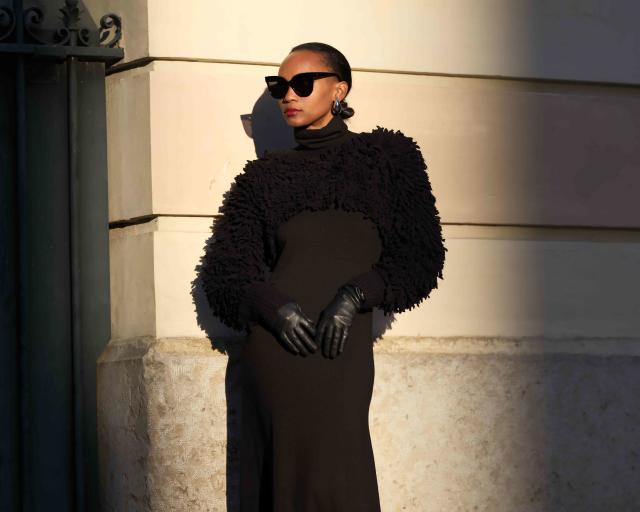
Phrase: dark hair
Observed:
(337, 62)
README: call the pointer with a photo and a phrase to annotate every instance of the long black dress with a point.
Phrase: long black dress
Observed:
(312, 220)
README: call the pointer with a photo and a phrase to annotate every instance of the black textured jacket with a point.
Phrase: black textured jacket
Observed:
(381, 174)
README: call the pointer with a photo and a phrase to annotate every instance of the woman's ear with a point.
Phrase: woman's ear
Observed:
(343, 89)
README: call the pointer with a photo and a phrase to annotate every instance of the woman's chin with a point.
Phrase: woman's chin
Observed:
(295, 121)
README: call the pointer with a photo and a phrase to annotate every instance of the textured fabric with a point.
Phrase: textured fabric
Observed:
(381, 174)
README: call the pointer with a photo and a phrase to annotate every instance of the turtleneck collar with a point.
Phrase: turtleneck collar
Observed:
(333, 132)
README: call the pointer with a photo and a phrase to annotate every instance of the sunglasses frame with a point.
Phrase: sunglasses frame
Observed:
(314, 75)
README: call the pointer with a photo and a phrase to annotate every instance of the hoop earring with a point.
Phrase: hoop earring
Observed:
(336, 107)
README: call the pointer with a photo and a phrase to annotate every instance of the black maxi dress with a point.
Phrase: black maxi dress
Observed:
(305, 437)
(305, 442)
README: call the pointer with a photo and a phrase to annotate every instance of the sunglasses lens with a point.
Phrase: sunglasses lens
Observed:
(302, 84)
(277, 87)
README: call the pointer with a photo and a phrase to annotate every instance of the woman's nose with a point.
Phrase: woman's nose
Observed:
(290, 94)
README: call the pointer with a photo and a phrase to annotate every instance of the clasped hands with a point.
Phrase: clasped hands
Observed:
(300, 335)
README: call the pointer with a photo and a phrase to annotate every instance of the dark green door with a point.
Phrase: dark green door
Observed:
(54, 266)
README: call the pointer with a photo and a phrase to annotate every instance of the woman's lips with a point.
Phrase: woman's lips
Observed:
(291, 111)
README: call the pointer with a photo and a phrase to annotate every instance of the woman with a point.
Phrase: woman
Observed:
(307, 242)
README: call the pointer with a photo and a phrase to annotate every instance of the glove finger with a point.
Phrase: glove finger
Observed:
(288, 343)
(326, 339)
(321, 335)
(300, 345)
(320, 327)
(335, 338)
(309, 326)
(304, 337)
(343, 339)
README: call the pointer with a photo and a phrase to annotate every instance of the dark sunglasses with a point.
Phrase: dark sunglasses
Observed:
(302, 83)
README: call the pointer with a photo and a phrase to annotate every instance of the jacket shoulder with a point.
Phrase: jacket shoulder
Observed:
(402, 151)
(389, 138)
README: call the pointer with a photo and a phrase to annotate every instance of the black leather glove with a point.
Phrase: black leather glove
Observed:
(336, 319)
(295, 329)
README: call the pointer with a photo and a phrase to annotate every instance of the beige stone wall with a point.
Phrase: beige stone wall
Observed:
(512, 387)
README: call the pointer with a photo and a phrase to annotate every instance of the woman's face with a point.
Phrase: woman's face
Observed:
(313, 111)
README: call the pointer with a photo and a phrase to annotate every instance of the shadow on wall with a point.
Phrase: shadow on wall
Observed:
(266, 126)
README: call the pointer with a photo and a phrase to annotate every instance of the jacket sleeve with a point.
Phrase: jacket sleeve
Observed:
(413, 250)
(236, 260)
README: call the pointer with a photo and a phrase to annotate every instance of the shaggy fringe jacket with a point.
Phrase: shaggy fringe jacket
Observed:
(381, 174)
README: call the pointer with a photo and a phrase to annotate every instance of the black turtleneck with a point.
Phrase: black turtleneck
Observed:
(335, 131)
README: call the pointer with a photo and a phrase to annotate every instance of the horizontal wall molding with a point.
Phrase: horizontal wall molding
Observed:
(592, 40)
(144, 61)
(514, 346)
(202, 223)
(139, 347)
